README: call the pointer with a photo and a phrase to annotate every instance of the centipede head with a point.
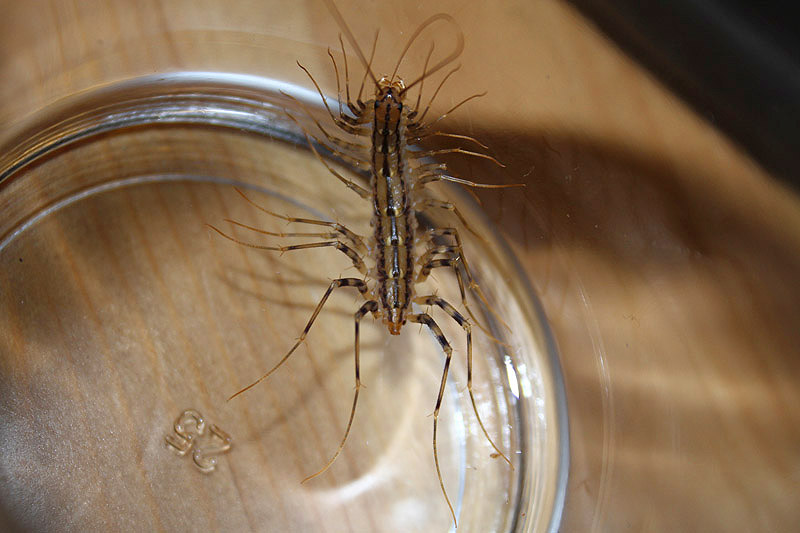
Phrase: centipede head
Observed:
(402, 88)
(395, 83)
(394, 87)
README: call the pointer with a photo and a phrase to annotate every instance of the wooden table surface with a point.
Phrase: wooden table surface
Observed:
(666, 260)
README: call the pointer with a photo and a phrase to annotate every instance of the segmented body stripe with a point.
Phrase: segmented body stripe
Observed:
(392, 213)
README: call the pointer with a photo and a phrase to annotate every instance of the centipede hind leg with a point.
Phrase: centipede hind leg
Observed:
(335, 284)
(426, 320)
(370, 306)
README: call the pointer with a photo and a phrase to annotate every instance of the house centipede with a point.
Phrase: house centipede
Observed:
(380, 135)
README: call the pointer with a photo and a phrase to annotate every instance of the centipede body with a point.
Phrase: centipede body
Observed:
(382, 135)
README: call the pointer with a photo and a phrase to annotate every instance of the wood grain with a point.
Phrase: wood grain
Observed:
(665, 258)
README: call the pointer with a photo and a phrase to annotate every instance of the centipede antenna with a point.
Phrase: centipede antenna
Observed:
(421, 83)
(436, 92)
(369, 67)
(350, 38)
(444, 62)
(462, 102)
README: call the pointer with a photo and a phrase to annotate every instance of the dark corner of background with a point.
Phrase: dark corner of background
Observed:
(736, 62)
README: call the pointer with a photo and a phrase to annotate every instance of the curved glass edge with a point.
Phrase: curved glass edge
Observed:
(553, 361)
(22, 144)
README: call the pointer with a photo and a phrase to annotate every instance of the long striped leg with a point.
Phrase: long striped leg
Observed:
(417, 124)
(425, 319)
(345, 145)
(428, 178)
(369, 307)
(453, 260)
(338, 81)
(340, 123)
(422, 81)
(283, 234)
(450, 259)
(426, 203)
(361, 191)
(473, 285)
(451, 136)
(432, 153)
(355, 109)
(350, 105)
(356, 239)
(335, 284)
(438, 172)
(461, 321)
(357, 260)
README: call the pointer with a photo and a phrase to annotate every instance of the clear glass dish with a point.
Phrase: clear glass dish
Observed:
(123, 309)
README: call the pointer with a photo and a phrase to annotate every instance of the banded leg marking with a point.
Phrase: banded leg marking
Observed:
(345, 145)
(432, 153)
(335, 284)
(464, 323)
(341, 124)
(457, 256)
(356, 239)
(357, 260)
(425, 319)
(361, 191)
(369, 307)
